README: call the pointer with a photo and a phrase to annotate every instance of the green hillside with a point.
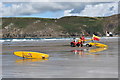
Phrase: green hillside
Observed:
(69, 26)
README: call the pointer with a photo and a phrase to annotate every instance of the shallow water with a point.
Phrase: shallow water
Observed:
(62, 63)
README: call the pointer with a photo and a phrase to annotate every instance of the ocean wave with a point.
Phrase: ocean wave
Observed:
(33, 39)
(44, 39)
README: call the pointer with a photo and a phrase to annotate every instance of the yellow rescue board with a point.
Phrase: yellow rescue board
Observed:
(34, 55)
(98, 44)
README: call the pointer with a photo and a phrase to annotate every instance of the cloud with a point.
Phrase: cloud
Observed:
(17, 9)
(34, 7)
(69, 8)
(60, 0)
(0, 9)
(97, 10)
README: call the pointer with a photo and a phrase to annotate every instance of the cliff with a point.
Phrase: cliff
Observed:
(68, 26)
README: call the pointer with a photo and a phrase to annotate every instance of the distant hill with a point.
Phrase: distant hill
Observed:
(68, 26)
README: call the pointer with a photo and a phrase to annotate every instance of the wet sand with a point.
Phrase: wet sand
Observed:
(62, 63)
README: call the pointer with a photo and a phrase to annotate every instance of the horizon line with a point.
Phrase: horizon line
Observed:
(54, 18)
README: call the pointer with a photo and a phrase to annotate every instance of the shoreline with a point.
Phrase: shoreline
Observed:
(49, 39)
(47, 45)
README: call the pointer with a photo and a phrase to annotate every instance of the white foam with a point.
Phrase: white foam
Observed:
(47, 39)
(40, 39)
(109, 37)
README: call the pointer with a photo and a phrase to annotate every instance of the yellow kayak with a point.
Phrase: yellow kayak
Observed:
(34, 55)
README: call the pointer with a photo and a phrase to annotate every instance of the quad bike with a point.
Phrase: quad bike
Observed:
(74, 44)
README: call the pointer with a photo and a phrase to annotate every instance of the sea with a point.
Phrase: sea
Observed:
(43, 39)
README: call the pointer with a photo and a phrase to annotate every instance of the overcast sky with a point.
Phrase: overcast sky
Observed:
(57, 9)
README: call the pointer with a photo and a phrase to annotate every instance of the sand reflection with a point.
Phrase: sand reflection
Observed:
(29, 60)
(89, 51)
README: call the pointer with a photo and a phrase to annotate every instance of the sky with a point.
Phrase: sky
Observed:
(59, 8)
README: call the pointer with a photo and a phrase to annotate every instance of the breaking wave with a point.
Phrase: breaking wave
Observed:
(42, 39)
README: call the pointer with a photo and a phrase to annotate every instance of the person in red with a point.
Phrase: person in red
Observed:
(83, 38)
(81, 41)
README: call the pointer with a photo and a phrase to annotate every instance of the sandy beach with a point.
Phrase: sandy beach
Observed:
(63, 61)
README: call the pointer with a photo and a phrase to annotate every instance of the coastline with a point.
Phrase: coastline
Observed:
(46, 44)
